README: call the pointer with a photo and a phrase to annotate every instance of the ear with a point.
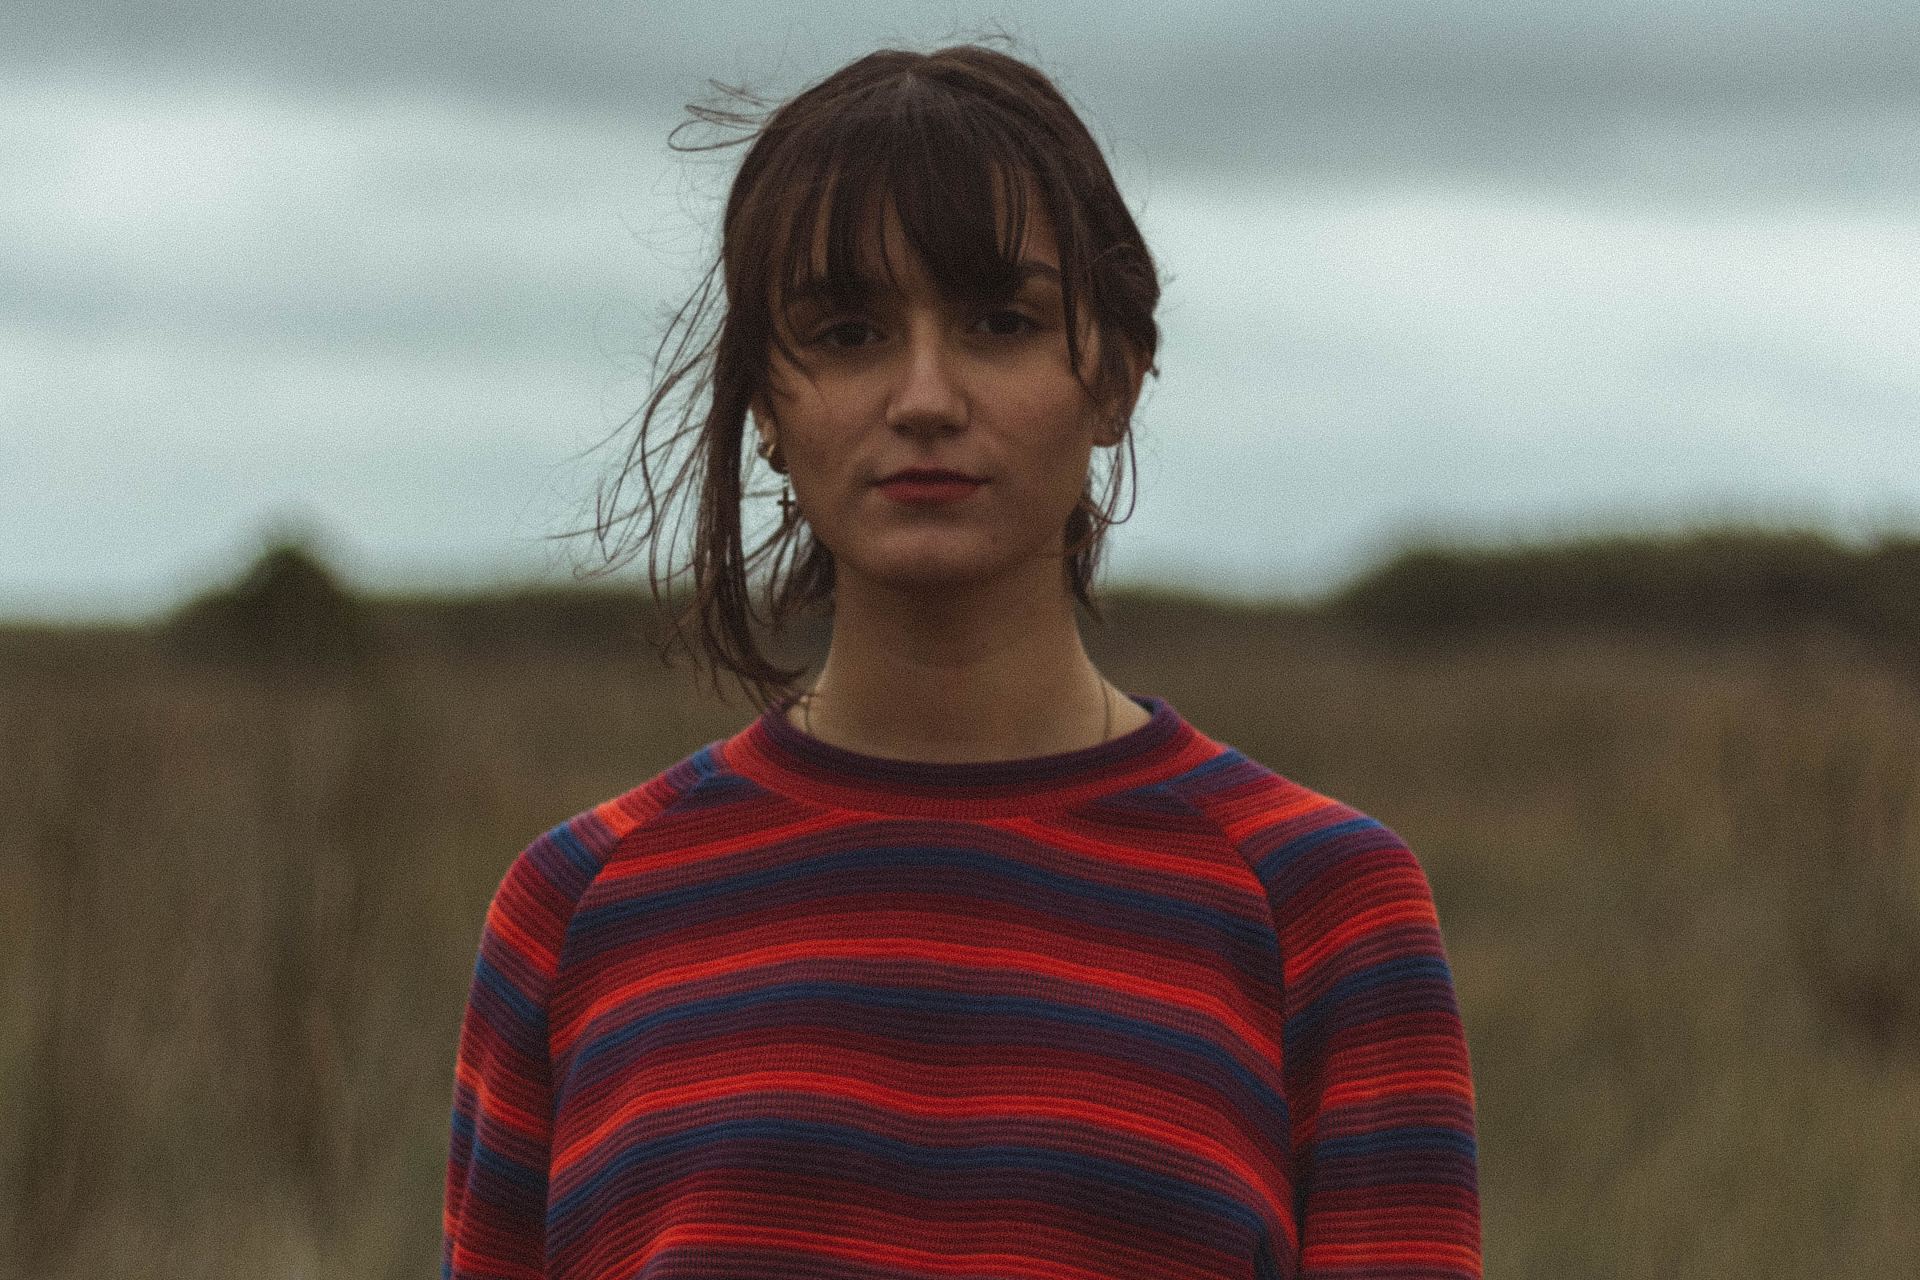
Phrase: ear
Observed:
(1109, 431)
(761, 416)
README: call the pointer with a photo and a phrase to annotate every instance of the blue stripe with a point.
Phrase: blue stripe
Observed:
(577, 854)
(1400, 1141)
(1410, 970)
(1271, 865)
(883, 867)
(1204, 771)
(961, 1016)
(530, 1012)
(485, 1159)
(855, 1153)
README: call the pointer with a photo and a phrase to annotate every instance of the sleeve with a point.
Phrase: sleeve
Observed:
(1379, 1088)
(494, 1222)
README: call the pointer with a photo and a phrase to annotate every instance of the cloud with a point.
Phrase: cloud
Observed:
(1755, 101)
(1760, 96)
(389, 222)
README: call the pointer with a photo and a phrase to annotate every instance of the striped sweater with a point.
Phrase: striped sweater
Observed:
(1141, 1011)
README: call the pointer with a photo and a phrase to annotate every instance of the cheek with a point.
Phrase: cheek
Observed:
(821, 402)
(1059, 448)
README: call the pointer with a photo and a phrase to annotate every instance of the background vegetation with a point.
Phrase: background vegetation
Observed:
(1667, 793)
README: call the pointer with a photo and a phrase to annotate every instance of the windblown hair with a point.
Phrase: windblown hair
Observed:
(957, 142)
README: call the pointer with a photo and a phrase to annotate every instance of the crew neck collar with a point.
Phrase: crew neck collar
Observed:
(785, 758)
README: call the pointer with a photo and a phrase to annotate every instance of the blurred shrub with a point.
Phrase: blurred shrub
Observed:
(1707, 584)
(1710, 584)
(597, 621)
(286, 610)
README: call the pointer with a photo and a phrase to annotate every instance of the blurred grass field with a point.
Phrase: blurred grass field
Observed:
(1678, 874)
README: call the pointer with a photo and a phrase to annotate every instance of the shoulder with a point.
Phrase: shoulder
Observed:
(1352, 908)
(543, 886)
(1299, 842)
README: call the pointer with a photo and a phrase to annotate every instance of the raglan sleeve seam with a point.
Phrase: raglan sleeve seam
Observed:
(500, 1152)
(500, 1147)
(1378, 1080)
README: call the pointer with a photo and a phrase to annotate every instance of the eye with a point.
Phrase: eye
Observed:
(844, 334)
(1006, 323)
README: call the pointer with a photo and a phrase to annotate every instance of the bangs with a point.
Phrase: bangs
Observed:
(955, 179)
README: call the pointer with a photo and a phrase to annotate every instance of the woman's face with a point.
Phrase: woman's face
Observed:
(908, 378)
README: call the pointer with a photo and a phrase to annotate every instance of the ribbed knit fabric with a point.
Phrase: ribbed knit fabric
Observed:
(1142, 1011)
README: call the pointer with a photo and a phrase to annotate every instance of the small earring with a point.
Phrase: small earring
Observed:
(770, 453)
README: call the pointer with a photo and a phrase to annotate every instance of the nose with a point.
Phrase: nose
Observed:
(927, 395)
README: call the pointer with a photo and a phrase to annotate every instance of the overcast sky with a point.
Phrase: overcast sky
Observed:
(1486, 268)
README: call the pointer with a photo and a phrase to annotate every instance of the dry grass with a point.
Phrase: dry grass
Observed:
(1680, 886)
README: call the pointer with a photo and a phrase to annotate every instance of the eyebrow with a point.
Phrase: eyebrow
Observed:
(817, 289)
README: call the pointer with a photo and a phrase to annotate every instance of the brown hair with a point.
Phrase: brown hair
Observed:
(956, 141)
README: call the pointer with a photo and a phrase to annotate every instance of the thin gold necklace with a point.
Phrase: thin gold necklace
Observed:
(1106, 700)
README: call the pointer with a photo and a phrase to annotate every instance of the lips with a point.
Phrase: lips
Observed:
(914, 488)
(931, 475)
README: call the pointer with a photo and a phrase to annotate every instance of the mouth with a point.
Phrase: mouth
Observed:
(929, 488)
(930, 475)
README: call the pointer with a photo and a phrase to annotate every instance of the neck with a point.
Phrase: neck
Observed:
(965, 680)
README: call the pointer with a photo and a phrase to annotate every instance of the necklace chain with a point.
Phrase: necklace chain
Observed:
(1106, 699)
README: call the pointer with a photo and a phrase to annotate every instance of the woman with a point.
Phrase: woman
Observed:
(961, 961)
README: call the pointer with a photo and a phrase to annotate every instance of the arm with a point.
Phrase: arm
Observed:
(1377, 1077)
(494, 1224)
